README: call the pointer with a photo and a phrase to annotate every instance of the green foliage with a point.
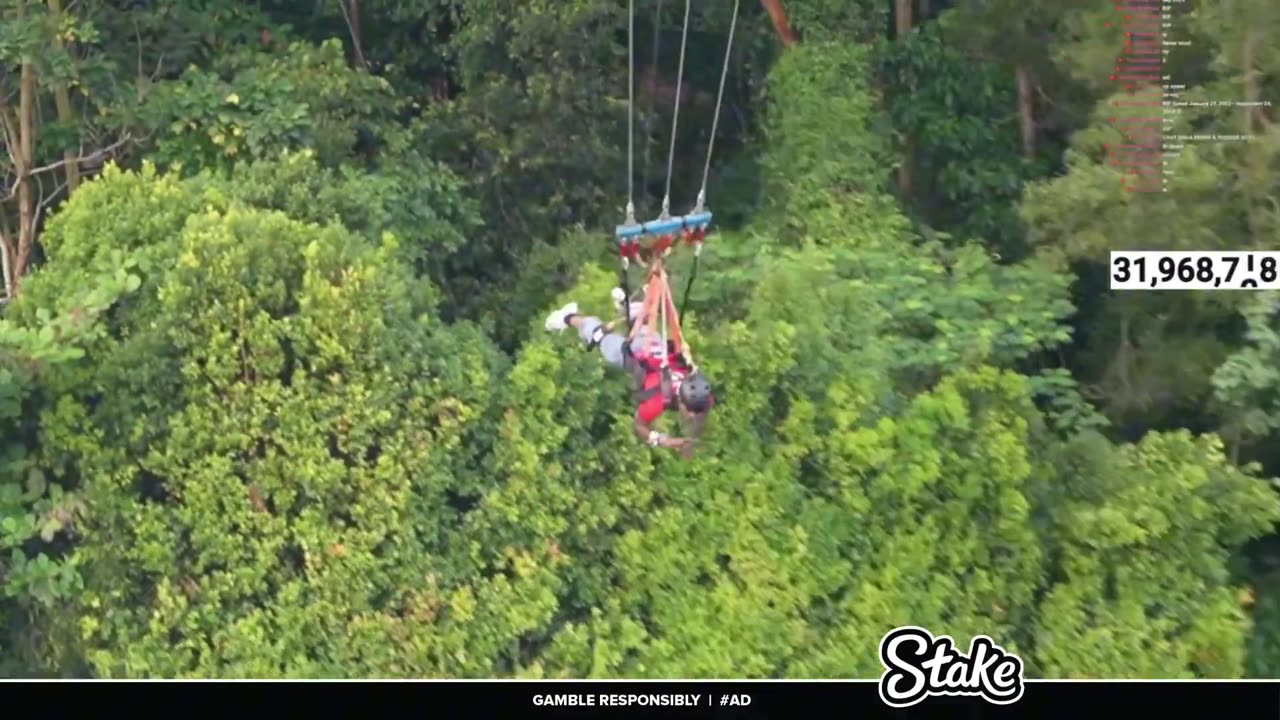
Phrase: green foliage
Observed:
(825, 147)
(252, 104)
(821, 21)
(1245, 385)
(1065, 407)
(1142, 584)
(959, 558)
(967, 173)
(400, 40)
(539, 132)
(283, 410)
(37, 517)
(420, 202)
(1264, 645)
(1149, 357)
(34, 38)
(247, 433)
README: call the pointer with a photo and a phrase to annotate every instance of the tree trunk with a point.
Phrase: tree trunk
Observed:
(1026, 110)
(1254, 162)
(779, 16)
(23, 160)
(351, 11)
(62, 101)
(6, 251)
(902, 17)
(1250, 81)
(658, 93)
(902, 25)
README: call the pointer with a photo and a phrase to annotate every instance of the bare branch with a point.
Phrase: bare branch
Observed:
(92, 157)
(57, 192)
(44, 203)
(84, 160)
(9, 126)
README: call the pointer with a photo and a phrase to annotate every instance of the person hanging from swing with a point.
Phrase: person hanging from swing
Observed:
(653, 350)
(664, 377)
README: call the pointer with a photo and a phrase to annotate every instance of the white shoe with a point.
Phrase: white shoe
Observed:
(618, 297)
(555, 321)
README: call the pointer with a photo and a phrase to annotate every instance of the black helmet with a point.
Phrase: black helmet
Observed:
(695, 393)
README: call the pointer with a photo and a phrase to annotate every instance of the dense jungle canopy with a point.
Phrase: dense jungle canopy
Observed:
(276, 399)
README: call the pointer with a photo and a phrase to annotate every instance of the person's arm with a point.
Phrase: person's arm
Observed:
(692, 433)
(646, 433)
(693, 426)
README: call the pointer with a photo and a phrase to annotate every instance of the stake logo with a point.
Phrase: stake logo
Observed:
(918, 665)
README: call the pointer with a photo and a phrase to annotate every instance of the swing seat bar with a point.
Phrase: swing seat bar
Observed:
(669, 226)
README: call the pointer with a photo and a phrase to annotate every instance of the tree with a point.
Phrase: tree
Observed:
(35, 50)
(252, 104)
(1145, 532)
(1020, 37)
(246, 433)
(37, 517)
(281, 442)
(1149, 357)
(867, 469)
(1245, 384)
(820, 161)
(967, 172)
(539, 134)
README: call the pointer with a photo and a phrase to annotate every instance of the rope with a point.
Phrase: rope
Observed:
(653, 64)
(662, 314)
(626, 289)
(684, 303)
(631, 111)
(647, 312)
(711, 144)
(715, 121)
(675, 119)
(631, 142)
(677, 341)
(668, 301)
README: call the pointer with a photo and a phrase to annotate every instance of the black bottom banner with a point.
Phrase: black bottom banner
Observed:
(701, 698)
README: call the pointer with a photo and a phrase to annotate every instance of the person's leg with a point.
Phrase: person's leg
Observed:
(647, 343)
(591, 330)
(558, 319)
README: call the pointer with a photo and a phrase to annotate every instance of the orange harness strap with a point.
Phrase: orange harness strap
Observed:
(659, 315)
